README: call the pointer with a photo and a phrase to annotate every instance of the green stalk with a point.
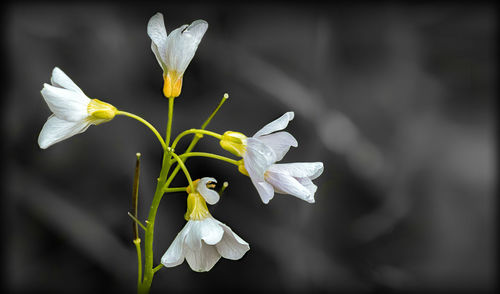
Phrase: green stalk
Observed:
(210, 155)
(162, 185)
(147, 124)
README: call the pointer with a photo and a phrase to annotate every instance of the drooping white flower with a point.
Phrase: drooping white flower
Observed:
(261, 150)
(203, 240)
(174, 52)
(73, 111)
(292, 178)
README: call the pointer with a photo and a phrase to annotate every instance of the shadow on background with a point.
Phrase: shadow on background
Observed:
(396, 100)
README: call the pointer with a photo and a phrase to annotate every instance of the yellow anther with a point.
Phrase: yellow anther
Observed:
(234, 142)
(196, 207)
(172, 84)
(101, 110)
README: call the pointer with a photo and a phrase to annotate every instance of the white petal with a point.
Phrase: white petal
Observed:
(211, 196)
(66, 104)
(310, 170)
(204, 259)
(276, 125)
(210, 231)
(258, 158)
(231, 246)
(309, 185)
(158, 56)
(176, 252)
(286, 184)
(158, 35)
(182, 44)
(266, 191)
(193, 238)
(207, 230)
(56, 130)
(280, 143)
(61, 80)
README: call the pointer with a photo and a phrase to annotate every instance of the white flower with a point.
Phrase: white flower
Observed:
(261, 151)
(202, 243)
(73, 111)
(292, 178)
(175, 51)
(203, 240)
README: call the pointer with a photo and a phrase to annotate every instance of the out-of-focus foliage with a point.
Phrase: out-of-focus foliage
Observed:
(396, 100)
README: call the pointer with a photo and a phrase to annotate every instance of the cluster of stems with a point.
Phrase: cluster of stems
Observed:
(147, 269)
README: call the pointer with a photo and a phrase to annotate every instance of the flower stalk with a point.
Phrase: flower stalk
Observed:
(147, 124)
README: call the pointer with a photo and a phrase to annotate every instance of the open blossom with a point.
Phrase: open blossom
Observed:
(261, 151)
(174, 52)
(203, 240)
(73, 111)
(292, 178)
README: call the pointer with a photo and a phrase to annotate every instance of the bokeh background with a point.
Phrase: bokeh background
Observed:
(397, 100)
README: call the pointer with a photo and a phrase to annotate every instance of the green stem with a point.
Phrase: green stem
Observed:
(157, 268)
(224, 98)
(137, 221)
(195, 140)
(145, 122)
(170, 116)
(195, 131)
(184, 169)
(137, 243)
(205, 154)
(180, 189)
(163, 184)
(160, 185)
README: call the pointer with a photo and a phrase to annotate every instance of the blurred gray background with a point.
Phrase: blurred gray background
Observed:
(396, 100)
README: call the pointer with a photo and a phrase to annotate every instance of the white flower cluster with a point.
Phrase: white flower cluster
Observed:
(203, 240)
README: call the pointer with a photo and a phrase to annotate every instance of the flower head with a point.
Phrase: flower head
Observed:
(259, 152)
(292, 178)
(73, 111)
(174, 52)
(203, 240)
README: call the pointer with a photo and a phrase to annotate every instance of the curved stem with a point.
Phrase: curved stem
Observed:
(195, 131)
(184, 169)
(146, 123)
(205, 154)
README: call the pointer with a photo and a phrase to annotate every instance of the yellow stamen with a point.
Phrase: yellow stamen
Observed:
(101, 110)
(234, 142)
(172, 84)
